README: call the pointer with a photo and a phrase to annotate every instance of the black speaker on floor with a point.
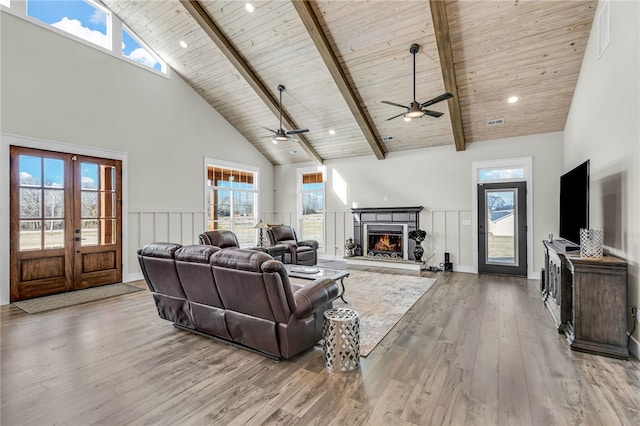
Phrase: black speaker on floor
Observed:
(448, 266)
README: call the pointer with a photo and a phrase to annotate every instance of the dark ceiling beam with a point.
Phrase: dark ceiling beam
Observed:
(441, 28)
(311, 23)
(203, 19)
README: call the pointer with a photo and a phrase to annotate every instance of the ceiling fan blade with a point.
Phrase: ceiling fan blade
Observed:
(437, 99)
(396, 116)
(394, 104)
(435, 114)
(271, 130)
(294, 132)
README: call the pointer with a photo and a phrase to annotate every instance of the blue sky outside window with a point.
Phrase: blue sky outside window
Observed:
(133, 50)
(75, 17)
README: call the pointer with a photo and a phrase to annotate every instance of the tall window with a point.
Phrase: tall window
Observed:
(311, 196)
(232, 199)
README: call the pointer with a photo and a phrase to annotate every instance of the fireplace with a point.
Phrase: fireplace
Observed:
(387, 240)
(384, 231)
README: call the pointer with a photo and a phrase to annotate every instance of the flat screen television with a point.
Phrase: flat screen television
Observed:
(574, 202)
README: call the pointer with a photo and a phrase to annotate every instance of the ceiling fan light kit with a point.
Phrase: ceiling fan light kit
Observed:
(281, 135)
(416, 109)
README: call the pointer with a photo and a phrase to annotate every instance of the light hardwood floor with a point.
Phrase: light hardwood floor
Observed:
(475, 349)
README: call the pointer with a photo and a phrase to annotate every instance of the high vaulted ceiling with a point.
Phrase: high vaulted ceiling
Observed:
(339, 59)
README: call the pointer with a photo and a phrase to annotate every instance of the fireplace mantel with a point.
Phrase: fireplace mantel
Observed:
(409, 216)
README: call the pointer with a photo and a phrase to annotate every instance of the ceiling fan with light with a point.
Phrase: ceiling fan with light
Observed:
(281, 135)
(415, 109)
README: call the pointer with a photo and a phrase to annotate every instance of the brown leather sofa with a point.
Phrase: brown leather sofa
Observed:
(240, 296)
(298, 252)
(219, 238)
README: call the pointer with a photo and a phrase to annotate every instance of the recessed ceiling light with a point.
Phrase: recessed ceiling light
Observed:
(513, 99)
(249, 7)
(332, 132)
(183, 44)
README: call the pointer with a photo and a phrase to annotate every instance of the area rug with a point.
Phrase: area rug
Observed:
(381, 300)
(55, 301)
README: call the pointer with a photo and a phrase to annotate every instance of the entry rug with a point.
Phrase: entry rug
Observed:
(381, 300)
(55, 301)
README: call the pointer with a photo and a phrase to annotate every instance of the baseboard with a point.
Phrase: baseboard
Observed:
(634, 347)
(133, 277)
(464, 268)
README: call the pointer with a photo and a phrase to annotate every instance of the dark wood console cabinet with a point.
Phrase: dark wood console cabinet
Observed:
(556, 292)
(587, 299)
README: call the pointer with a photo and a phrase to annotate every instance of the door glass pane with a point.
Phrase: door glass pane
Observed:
(30, 235)
(30, 203)
(30, 170)
(108, 178)
(89, 176)
(108, 231)
(53, 234)
(53, 173)
(54, 203)
(89, 204)
(108, 205)
(500, 226)
(89, 233)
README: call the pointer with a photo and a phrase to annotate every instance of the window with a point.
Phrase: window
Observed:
(311, 196)
(83, 19)
(91, 23)
(232, 201)
(501, 174)
(134, 49)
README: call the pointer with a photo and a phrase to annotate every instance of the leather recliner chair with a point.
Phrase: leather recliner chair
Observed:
(298, 252)
(219, 238)
(240, 296)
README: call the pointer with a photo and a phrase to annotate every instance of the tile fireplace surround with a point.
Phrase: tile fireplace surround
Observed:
(398, 220)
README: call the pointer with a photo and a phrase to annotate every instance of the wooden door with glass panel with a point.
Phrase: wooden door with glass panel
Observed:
(97, 232)
(65, 223)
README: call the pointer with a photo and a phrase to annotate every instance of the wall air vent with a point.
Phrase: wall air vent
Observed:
(496, 122)
(387, 138)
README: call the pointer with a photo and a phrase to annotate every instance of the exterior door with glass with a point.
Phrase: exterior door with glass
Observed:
(65, 223)
(502, 228)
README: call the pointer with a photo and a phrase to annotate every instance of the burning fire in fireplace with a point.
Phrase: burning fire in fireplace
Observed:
(386, 242)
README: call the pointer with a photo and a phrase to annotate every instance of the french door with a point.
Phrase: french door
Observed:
(65, 224)
(502, 228)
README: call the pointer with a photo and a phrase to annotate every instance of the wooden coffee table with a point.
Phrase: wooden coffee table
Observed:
(315, 272)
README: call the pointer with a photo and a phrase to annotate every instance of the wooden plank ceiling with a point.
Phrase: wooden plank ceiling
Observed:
(339, 59)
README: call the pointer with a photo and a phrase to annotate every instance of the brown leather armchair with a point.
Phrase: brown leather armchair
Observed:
(298, 252)
(239, 296)
(219, 238)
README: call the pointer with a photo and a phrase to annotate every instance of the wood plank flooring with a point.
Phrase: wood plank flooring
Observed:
(474, 350)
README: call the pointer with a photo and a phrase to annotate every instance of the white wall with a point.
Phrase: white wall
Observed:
(603, 126)
(62, 91)
(440, 180)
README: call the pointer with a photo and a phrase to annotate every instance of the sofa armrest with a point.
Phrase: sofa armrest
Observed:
(309, 243)
(314, 295)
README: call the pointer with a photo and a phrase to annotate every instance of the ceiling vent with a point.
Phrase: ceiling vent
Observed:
(387, 138)
(495, 122)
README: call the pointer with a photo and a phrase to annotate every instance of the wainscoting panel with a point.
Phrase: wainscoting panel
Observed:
(448, 230)
(182, 227)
